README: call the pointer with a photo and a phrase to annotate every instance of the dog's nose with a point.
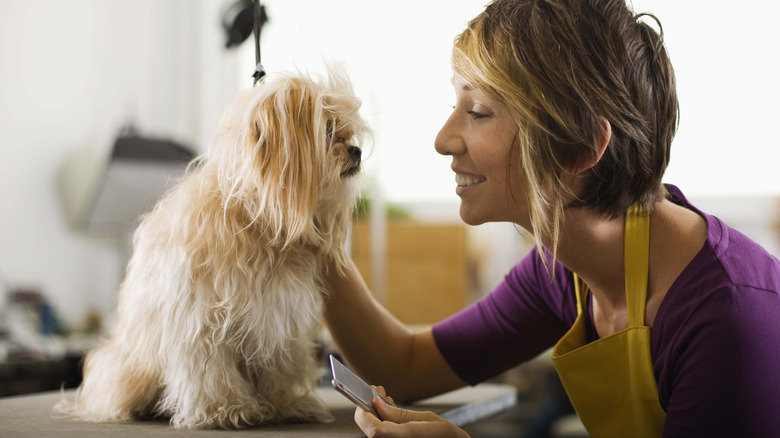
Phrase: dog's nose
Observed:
(355, 152)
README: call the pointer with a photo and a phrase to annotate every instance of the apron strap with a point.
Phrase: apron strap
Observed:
(579, 294)
(636, 245)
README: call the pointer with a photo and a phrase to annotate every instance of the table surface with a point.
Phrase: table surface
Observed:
(31, 416)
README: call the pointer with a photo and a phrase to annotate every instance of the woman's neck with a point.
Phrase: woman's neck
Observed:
(591, 245)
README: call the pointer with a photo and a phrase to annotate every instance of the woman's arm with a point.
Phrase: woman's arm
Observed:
(378, 346)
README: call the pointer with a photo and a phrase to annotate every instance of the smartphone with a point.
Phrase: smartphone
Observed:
(352, 386)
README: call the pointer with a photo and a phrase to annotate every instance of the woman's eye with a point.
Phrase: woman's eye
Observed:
(476, 115)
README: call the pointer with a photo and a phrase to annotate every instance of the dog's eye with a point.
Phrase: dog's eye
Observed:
(339, 140)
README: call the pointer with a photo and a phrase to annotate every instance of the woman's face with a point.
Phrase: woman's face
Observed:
(478, 135)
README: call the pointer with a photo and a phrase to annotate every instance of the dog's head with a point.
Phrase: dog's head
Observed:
(288, 153)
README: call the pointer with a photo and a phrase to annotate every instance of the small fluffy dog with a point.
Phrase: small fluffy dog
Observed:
(223, 297)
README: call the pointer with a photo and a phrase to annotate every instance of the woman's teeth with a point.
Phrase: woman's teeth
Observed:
(464, 180)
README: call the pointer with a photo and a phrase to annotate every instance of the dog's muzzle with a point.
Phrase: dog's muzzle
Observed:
(354, 155)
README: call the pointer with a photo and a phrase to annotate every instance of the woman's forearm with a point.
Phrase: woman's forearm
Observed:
(379, 347)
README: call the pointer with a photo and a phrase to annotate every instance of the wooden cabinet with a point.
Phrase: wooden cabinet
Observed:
(425, 268)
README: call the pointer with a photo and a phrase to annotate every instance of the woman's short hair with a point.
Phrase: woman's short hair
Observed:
(561, 67)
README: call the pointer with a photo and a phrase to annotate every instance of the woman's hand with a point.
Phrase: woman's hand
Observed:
(397, 422)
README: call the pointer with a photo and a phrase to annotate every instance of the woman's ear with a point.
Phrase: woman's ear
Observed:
(605, 135)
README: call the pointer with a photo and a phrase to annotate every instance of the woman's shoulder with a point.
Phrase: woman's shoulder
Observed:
(729, 268)
(524, 315)
(729, 260)
(719, 318)
(540, 278)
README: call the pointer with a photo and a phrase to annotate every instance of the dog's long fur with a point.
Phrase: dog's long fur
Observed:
(222, 298)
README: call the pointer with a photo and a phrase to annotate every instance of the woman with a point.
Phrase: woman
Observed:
(665, 321)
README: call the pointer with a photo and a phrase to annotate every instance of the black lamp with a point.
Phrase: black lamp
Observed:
(242, 18)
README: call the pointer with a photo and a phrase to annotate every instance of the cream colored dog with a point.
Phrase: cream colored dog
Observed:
(222, 298)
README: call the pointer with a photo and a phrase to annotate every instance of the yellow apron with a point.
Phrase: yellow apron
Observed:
(610, 381)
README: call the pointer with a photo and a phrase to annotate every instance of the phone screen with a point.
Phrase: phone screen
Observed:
(352, 386)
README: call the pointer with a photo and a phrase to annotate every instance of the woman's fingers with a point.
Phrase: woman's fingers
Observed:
(395, 414)
(398, 422)
(414, 424)
(381, 391)
(367, 422)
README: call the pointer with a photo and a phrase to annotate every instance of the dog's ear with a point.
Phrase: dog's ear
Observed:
(287, 155)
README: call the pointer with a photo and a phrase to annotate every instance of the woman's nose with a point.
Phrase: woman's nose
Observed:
(449, 140)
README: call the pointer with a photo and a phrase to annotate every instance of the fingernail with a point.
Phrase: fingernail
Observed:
(387, 402)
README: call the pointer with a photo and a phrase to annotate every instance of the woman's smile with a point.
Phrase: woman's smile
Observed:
(467, 182)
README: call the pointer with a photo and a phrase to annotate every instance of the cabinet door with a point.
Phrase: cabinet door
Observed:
(425, 269)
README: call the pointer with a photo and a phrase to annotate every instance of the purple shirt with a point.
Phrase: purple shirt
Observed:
(715, 342)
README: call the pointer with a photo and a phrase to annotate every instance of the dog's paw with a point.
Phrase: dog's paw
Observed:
(310, 409)
(233, 416)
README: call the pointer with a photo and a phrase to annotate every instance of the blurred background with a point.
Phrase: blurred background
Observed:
(78, 76)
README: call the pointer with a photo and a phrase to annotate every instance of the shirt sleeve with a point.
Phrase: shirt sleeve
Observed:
(523, 316)
(726, 373)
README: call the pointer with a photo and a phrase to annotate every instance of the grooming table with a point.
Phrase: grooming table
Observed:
(31, 416)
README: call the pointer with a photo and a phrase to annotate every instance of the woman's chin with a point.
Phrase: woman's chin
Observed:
(470, 218)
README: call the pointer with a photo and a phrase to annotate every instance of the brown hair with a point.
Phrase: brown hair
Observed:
(561, 67)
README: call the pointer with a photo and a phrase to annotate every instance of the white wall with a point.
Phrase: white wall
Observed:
(724, 53)
(71, 73)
